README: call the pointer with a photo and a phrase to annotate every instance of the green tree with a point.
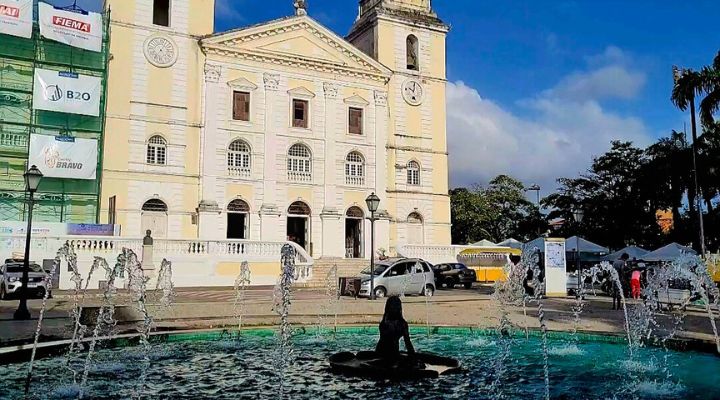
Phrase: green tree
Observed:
(496, 212)
(691, 85)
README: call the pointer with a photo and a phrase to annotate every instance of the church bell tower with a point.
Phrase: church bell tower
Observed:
(408, 37)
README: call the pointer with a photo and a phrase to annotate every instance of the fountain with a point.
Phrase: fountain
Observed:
(539, 291)
(282, 298)
(66, 253)
(105, 319)
(241, 283)
(165, 283)
(330, 303)
(137, 285)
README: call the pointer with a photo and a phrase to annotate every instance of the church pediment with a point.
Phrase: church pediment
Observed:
(356, 100)
(298, 41)
(242, 83)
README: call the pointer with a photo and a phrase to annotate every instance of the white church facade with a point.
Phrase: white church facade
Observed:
(278, 131)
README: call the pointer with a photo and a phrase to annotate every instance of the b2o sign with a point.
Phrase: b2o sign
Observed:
(66, 92)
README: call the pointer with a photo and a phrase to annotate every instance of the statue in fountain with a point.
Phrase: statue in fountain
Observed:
(393, 327)
(387, 362)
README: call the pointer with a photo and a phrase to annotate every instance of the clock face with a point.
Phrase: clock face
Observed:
(413, 92)
(160, 51)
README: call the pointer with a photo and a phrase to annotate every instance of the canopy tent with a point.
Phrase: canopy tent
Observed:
(539, 243)
(632, 251)
(586, 246)
(512, 243)
(484, 243)
(668, 253)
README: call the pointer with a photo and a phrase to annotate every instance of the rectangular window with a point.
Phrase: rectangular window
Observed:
(161, 12)
(241, 106)
(355, 123)
(300, 114)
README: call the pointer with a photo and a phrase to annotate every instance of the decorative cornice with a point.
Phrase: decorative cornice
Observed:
(297, 63)
(380, 98)
(331, 90)
(272, 81)
(212, 73)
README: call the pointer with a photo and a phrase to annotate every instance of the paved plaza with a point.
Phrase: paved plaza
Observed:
(202, 308)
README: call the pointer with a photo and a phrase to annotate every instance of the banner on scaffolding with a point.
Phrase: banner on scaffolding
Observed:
(75, 28)
(64, 157)
(16, 18)
(67, 92)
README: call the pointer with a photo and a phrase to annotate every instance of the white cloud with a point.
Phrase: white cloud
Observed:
(226, 9)
(567, 127)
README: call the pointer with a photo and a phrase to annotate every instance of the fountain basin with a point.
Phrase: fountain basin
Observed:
(227, 365)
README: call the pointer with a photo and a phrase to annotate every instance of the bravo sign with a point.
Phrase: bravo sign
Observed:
(64, 157)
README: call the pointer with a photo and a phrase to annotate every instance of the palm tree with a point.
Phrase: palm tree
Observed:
(691, 84)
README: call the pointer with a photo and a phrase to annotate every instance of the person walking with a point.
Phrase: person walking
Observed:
(618, 266)
(635, 284)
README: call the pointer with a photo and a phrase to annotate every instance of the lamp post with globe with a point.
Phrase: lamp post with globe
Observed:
(373, 202)
(32, 181)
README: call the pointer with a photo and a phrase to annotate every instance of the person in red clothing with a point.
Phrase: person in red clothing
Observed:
(635, 284)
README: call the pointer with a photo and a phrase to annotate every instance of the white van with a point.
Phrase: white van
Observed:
(398, 276)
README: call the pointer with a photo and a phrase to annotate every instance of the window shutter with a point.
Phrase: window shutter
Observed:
(355, 123)
(241, 106)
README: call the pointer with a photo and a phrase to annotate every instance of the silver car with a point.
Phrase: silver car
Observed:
(399, 276)
(11, 280)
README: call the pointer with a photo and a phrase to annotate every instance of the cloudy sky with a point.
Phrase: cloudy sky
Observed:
(537, 88)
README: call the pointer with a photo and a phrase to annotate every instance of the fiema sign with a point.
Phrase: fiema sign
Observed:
(78, 29)
(16, 18)
(66, 92)
(64, 157)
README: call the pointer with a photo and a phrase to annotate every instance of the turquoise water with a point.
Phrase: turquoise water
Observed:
(213, 367)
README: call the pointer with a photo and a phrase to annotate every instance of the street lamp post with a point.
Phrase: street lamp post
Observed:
(536, 188)
(677, 74)
(32, 181)
(578, 215)
(373, 202)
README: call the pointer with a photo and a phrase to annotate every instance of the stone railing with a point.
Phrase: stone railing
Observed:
(197, 253)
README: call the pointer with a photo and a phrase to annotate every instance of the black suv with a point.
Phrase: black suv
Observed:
(451, 274)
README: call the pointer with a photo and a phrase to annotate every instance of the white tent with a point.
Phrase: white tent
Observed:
(668, 253)
(484, 243)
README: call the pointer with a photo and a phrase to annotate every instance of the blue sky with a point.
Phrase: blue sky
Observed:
(539, 87)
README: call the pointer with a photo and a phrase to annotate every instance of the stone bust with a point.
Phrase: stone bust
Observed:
(148, 240)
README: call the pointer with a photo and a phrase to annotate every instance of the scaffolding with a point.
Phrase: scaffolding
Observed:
(57, 200)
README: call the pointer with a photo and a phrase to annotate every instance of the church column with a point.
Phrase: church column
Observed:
(382, 225)
(209, 211)
(271, 223)
(333, 239)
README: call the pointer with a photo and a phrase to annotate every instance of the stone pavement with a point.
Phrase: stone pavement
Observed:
(200, 308)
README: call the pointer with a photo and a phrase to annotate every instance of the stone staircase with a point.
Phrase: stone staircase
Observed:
(346, 268)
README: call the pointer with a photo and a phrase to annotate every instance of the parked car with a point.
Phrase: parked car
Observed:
(451, 274)
(397, 276)
(11, 279)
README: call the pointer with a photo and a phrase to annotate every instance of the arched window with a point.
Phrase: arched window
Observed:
(238, 206)
(238, 157)
(355, 169)
(154, 218)
(299, 208)
(412, 53)
(415, 234)
(299, 163)
(157, 150)
(155, 205)
(413, 173)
